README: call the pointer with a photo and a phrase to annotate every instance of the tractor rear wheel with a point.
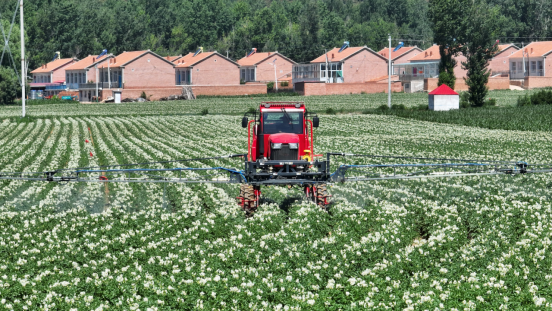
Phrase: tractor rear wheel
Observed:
(248, 199)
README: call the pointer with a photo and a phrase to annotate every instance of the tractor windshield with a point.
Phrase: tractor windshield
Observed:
(283, 122)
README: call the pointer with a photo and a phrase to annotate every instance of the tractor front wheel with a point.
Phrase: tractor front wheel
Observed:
(249, 198)
(319, 195)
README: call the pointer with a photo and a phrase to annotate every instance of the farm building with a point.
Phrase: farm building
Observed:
(443, 98)
(207, 68)
(265, 67)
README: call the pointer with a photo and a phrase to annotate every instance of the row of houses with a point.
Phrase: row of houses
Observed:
(357, 69)
(140, 70)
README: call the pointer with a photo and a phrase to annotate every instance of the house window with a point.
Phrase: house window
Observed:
(242, 77)
(513, 66)
(334, 72)
(533, 66)
(251, 75)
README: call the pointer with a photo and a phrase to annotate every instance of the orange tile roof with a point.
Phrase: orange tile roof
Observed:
(173, 58)
(83, 63)
(338, 56)
(258, 58)
(190, 60)
(535, 49)
(51, 66)
(502, 47)
(397, 54)
(428, 55)
(123, 58)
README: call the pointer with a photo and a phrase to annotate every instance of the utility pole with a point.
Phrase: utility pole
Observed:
(523, 54)
(96, 67)
(326, 53)
(23, 71)
(108, 75)
(275, 77)
(389, 77)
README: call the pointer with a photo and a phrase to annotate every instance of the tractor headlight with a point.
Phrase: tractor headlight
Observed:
(276, 146)
(294, 146)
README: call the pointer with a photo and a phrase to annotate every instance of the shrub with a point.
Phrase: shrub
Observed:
(490, 102)
(465, 100)
(284, 83)
(330, 111)
(204, 111)
(9, 86)
(143, 95)
(242, 81)
(398, 107)
(542, 97)
(251, 110)
(383, 107)
(524, 101)
(270, 86)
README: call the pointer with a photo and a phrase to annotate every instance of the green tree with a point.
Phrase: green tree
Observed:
(9, 86)
(447, 17)
(479, 47)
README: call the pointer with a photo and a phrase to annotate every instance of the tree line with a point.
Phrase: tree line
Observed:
(299, 29)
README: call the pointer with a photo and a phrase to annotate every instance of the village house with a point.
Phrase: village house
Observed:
(500, 63)
(349, 65)
(535, 55)
(206, 68)
(128, 70)
(52, 72)
(83, 72)
(49, 79)
(402, 55)
(265, 67)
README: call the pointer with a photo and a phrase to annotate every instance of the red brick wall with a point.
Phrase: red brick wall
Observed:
(501, 61)
(498, 83)
(348, 88)
(154, 73)
(215, 70)
(537, 82)
(363, 67)
(265, 71)
(224, 90)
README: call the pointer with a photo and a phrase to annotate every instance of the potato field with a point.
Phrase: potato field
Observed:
(465, 243)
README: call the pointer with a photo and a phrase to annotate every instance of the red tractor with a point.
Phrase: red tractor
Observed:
(280, 151)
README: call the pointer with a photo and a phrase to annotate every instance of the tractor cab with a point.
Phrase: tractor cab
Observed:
(280, 131)
(280, 151)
